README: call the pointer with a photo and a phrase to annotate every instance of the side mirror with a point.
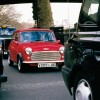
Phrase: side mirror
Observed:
(58, 41)
(16, 38)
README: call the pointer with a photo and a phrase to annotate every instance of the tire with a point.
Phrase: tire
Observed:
(59, 67)
(1, 65)
(86, 88)
(10, 62)
(20, 65)
(1, 59)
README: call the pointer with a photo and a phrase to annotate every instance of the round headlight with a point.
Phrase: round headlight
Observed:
(61, 49)
(28, 50)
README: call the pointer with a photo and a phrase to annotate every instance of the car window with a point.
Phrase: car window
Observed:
(6, 31)
(89, 12)
(28, 37)
(46, 36)
(33, 36)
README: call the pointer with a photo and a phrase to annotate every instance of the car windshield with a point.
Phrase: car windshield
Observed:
(6, 31)
(89, 12)
(33, 36)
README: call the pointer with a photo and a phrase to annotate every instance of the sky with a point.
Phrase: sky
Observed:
(64, 14)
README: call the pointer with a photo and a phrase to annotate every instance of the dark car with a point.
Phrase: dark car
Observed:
(81, 70)
(3, 78)
(6, 32)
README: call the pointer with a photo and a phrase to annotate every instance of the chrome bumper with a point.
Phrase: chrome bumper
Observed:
(59, 61)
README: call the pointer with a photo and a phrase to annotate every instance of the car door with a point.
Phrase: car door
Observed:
(14, 47)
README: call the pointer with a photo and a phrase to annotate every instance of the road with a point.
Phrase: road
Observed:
(41, 84)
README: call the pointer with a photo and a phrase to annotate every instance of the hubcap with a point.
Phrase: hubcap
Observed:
(83, 91)
(8, 59)
(19, 65)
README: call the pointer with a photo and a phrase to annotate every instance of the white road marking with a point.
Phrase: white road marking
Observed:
(24, 86)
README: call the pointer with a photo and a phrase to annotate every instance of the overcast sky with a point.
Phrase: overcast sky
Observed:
(63, 13)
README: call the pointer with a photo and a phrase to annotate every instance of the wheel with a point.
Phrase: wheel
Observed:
(1, 65)
(10, 62)
(20, 65)
(59, 67)
(83, 91)
(85, 88)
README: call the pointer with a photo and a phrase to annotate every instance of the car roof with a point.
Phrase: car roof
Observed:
(33, 29)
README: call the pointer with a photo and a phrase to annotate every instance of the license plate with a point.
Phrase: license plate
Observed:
(40, 65)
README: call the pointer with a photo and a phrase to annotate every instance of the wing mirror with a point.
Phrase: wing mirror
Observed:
(16, 38)
(58, 41)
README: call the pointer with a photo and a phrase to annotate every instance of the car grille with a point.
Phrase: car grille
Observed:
(45, 56)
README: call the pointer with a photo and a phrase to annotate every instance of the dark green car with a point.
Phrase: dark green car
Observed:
(81, 70)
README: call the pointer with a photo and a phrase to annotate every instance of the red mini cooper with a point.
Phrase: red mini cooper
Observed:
(35, 47)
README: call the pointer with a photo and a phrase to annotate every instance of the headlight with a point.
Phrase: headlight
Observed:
(61, 49)
(28, 50)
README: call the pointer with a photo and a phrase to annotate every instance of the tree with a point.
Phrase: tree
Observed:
(9, 16)
(45, 19)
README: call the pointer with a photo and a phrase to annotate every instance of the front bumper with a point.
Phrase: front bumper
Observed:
(32, 62)
(3, 78)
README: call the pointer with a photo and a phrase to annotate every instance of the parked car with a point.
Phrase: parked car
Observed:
(81, 70)
(6, 32)
(3, 78)
(35, 47)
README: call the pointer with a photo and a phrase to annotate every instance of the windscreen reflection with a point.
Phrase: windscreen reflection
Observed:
(37, 36)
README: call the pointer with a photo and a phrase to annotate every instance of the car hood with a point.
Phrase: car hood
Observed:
(42, 46)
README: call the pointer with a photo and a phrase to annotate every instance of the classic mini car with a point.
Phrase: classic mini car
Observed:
(3, 78)
(35, 47)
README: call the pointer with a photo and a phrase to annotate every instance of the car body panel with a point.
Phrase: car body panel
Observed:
(80, 54)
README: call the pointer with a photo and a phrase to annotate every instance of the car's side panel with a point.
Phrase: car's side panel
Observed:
(13, 50)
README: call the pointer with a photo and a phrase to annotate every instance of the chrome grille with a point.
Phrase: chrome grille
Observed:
(45, 56)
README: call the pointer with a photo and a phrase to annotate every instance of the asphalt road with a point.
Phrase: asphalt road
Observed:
(40, 84)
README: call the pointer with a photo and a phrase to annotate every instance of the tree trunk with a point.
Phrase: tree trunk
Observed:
(45, 19)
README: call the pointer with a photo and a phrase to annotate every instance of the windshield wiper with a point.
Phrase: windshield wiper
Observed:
(51, 40)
